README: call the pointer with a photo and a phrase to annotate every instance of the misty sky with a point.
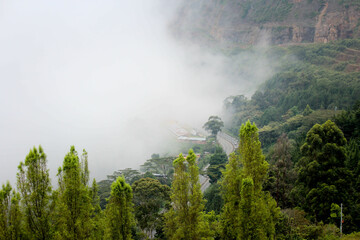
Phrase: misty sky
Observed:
(101, 75)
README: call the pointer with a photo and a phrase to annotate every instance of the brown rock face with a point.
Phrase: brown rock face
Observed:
(243, 22)
(334, 25)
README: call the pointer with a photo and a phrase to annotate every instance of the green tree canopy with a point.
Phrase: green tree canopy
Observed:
(282, 173)
(149, 198)
(323, 178)
(74, 201)
(216, 165)
(10, 215)
(307, 111)
(213, 125)
(185, 220)
(35, 187)
(349, 122)
(249, 213)
(130, 175)
(162, 167)
(119, 211)
(214, 201)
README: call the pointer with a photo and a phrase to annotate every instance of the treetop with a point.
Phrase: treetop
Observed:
(120, 186)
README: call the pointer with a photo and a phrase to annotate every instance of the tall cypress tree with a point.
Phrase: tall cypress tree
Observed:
(35, 187)
(74, 206)
(249, 213)
(119, 211)
(185, 220)
(230, 186)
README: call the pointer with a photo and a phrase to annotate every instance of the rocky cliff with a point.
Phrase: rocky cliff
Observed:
(244, 22)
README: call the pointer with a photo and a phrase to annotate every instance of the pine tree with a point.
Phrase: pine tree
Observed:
(74, 206)
(185, 220)
(249, 213)
(35, 188)
(119, 211)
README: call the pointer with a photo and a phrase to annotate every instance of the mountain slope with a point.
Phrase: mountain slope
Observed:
(244, 22)
(324, 76)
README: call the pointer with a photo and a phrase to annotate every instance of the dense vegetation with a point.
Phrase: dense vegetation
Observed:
(295, 177)
(250, 198)
(312, 84)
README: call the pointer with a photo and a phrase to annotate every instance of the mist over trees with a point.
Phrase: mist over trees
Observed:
(294, 175)
(213, 125)
(111, 75)
(248, 199)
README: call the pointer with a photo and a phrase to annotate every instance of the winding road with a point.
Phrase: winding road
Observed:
(229, 144)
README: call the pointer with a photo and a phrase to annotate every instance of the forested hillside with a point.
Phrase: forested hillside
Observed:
(313, 83)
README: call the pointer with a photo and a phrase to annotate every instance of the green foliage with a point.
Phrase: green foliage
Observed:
(149, 198)
(10, 214)
(282, 173)
(157, 167)
(35, 188)
(311, 78)
(307, 111)
(104, 192)
(74, 199)
(323, 178)
(97, 215)
(213, 125)
(161, 167)
(352, 236)
(261, 11)
(296, 126)
(185, 220)
(216, 165)
(349, 122)
(249, 213)
(230, 185)
(130, 175)
(335, 210)
(294, 225)
(119, 211)
(214, 201)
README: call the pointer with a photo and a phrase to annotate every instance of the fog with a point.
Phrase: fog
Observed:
(101, 75)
